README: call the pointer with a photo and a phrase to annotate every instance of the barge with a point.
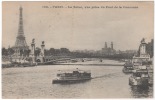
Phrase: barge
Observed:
(128, 67)
(139, 77)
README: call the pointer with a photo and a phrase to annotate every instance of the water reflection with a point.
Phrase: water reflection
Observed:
(140, 91)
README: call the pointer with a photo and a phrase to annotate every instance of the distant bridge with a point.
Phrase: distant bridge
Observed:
(38, 58)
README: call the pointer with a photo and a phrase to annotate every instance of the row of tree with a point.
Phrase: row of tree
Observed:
(50, 52)
(10, 51)
(149, 48)
(6, 52)
(67, 52)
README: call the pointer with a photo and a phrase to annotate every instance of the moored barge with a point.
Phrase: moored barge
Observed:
(128, 67)
(139, 77)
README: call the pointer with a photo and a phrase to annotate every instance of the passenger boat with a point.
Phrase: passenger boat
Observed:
(72, 76)
(139, 77)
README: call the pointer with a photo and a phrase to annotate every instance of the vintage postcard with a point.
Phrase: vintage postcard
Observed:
(78, 50)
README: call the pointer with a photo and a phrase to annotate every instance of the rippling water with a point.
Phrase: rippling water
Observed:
(36, 82)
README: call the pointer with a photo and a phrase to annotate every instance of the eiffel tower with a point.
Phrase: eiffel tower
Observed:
(20, 44)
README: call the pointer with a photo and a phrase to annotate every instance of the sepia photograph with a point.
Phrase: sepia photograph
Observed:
(77, 50)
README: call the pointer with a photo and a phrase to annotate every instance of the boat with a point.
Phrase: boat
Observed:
(47, 63)
(139, 77)
(128, 67)
(74, 60)
(72, 76)
(20, 64)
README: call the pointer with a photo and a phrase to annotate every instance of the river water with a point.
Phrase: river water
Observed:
(36, 82)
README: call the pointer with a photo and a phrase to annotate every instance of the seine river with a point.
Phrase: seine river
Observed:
(36, 82)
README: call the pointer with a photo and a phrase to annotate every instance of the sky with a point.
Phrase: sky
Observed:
(79, 28)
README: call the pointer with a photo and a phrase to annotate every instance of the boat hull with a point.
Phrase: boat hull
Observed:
(57, 81)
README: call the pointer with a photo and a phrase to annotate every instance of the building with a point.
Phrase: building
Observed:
(108, 50)
(142, 56)
(142, 49)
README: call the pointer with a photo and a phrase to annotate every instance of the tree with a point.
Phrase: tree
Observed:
(11, 51)
(52, 51)
(47, 52)
(37, 51)
(149, 48)
(64, 50)
(4, 51)
(57, 52)
(27, 52)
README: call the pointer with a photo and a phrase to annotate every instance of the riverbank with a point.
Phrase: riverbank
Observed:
(85, 62)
